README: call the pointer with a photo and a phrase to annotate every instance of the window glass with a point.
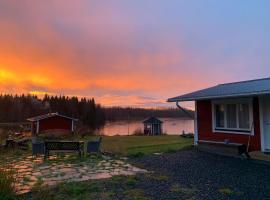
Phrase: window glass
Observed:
(243, 116)
(220, 113)
(231, 116)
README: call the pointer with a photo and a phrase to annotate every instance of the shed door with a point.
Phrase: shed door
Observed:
(266, 122)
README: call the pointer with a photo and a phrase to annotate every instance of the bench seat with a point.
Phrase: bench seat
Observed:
(231, 149)
(65, 146)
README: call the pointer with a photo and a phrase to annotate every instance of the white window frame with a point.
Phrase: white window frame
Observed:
(249, 131)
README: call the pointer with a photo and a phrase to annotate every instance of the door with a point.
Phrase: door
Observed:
(266, 122)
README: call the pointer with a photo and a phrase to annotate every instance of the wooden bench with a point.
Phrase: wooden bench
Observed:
(223, 148)
(22, 143)
(57, 146)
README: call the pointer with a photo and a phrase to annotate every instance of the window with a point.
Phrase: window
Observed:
(220, 116)
(231, 116)
(243, 115)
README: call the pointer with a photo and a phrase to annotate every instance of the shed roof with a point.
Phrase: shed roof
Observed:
(152, 120)
(41, 117)
(236, 89)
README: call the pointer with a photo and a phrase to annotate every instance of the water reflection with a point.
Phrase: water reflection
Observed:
(171, 126)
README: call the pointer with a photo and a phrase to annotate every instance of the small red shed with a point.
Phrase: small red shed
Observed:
(52, 122)
(236, 113)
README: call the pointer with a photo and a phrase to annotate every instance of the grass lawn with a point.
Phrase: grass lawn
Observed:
(144, 145)
(122, 146)
(118, 187)
(115, 188)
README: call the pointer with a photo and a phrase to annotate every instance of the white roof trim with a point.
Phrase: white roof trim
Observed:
(228, 90)
(41, 117)
(175, 99)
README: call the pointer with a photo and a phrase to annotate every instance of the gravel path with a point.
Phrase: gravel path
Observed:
(196, 175)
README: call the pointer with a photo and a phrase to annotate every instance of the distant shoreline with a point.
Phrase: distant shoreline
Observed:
(136, 119)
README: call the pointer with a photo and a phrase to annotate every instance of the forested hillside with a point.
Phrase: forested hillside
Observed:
(119, 113)
(19, 108)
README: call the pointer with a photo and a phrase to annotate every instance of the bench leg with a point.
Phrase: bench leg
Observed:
(46, 154)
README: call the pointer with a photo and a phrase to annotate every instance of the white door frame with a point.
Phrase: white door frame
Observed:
(261, 123)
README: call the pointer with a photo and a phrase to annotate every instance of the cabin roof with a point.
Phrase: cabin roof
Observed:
(152, 120)
(236, 89)
(41, 117)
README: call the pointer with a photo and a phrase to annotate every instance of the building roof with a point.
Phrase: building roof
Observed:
(152, 120)
(236, 89)
(41, 117)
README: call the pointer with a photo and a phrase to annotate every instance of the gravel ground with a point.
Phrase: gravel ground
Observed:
(196, 175)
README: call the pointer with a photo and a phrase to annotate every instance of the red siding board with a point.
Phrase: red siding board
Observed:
(54, 123)
(205, 132)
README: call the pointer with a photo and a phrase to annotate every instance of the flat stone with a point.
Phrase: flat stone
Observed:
(120, 162)
(138, 170)
(100, 176)
(124, 158)
(114, 173)
(38, 173)
(83, 178)
(50, 183)
(21, 167)
(24, 170)
(24, 191)
(127, 173)
(44, 167)
(66, 170)
(33, 178)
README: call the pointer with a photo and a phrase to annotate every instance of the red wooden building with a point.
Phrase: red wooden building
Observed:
(232, 113)
(52, 122)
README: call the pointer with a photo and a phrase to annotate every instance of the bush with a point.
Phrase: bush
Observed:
(7, 184)
(138, 132)
(136, 155)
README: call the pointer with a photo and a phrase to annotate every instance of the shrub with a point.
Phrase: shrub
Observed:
(136, 155)
(7, 184)
(138, 132)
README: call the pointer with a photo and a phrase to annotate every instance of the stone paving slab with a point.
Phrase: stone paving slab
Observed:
(32, 172)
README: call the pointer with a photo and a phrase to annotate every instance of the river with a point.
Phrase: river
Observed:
(171, 126)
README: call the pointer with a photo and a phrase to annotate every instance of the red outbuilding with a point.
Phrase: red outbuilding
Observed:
(52, 122)
(232, 113)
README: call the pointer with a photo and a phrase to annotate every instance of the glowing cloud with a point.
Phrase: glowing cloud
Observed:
(135, 53)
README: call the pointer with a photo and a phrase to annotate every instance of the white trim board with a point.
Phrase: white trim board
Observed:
(261, 123)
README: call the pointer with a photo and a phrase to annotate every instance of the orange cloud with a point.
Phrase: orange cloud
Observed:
(48, 49)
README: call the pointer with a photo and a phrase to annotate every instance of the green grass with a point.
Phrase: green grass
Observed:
(158, 177)
(7, 181)
(98, 189)
(144, 145)
(228, 191)
(120, 145)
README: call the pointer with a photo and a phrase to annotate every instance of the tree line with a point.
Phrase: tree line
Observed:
(17, 108)
(129, 113)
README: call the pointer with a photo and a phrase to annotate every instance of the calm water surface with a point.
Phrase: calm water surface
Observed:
(171, 126)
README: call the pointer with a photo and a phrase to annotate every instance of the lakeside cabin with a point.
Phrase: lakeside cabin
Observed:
(52, 122)
(152, 126)
(232, 114)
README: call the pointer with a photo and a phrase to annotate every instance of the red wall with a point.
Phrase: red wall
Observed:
(204, 116)
(55, 123)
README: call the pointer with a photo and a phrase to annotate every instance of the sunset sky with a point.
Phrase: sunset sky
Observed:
(131, 52)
